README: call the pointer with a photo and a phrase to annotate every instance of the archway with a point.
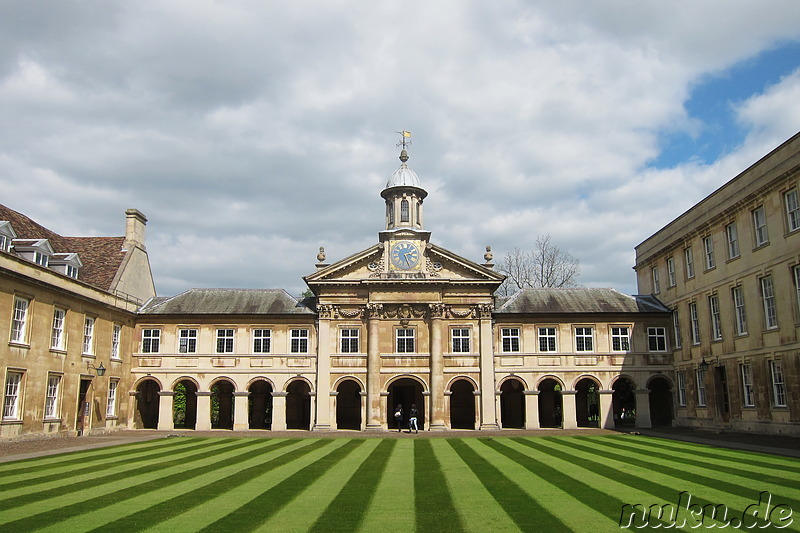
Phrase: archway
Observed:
(259, 405)
(147, 404)
(298, 405)
(405, 391)
(624, 402)
(512, 404)
(222, 405)
(184, 405)
(660, 401)
(462, 405)
(348, 405)
(587, 403)
(551, 407)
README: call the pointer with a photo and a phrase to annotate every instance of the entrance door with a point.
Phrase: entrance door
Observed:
(723, 401)
(82, 420)
(406, 392)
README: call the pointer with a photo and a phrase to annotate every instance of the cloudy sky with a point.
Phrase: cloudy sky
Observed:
(252, 132)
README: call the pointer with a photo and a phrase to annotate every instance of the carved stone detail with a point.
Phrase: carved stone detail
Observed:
(438, 310)
(483, 310)
(350, 313)
(433, 268)
(375, 310)
(461, 313)
(325, 310)
(377, 267)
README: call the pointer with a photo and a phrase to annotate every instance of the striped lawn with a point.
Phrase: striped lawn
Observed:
(575, 483)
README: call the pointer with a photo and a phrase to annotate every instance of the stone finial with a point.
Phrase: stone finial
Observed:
(321, 254)
(488, 255)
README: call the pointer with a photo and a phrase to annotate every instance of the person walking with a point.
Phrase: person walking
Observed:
(412, 419)
(398, 416)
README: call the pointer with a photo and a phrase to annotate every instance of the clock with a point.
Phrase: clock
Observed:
(404, 255)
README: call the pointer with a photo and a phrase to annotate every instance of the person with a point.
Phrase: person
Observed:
(398, 416)
(412, 420)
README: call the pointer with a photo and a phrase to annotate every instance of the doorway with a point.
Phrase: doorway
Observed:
(405, 391)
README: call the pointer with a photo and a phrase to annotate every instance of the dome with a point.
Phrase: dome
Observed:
(403, 176)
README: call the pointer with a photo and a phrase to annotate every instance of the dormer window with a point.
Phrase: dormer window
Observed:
(67, 264)
(40, 259)
(37, 251)
(7, 234)
(72, 272)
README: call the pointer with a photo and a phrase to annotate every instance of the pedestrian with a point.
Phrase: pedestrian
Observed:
(412, 420)
(398, 416)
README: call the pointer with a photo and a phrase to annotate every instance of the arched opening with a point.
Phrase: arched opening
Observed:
(147, 404)
(298, 405)
(551, 407)
(405, 391)
(404, 215)
(587, 403)
(184, 405)
(348, 405)
(222, 405)
(259, 405)
(660, 402)
(624, 402)
(462, 405)
(512, 404)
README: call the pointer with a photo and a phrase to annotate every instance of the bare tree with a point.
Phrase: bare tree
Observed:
(546, 265)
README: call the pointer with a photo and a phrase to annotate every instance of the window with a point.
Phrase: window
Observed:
(261, 340)
(11, 402)
(71, 271)
(40, 259)
(51, 397)
(656, 284)
(116, 333)
(390, 212)
(225, 341)
(405, 340)
(708, 248)
(460, 338)
(510, 339)
(583, 340)
(151, 340)
(695, 323)
(88, 335)
(676, 327)
(778, 385)
(701, 388)
(19, 324)
(657, 339)
(687, 253)
(349, 340)
(748, 396)
(738, 304)
(733, 240)
(111, 403)
(796, 271)
(620, 339)
(299, 341)
(768, 295)
(792, 210)
(547, 339)
(671, 271)
(4, 242)
(760, 226)
(681, 375)
(404, 214)
(187, 341)
(57, 336)
(716, 324)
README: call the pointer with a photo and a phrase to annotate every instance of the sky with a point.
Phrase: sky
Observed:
(250, 133)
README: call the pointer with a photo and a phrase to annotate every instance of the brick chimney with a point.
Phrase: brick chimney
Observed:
(135, 221)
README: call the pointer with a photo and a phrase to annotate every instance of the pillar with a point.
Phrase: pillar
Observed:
(203, 411)
(332, 409)
(436, 399)
(531, 409)
(322, 412)
(279, 411)
(240, 411)
(373, 368)
(606, 409)
(643, 409)
(165, 422)
(488, 397)
(569, 413)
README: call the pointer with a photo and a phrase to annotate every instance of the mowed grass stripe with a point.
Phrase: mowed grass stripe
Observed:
(435, 510)
(249, 516)
(347, 510)
(520, 507)
(392, 505)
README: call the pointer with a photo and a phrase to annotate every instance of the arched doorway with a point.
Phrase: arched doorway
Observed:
(298, 405)
(184, 405)
(462, 405)
(587, 403)
(222, 405)
(259, 405)
(512, 404)
(624, 402)
(147, 404)
(660, 402)
(405, 391)
(551, 407)
(348, 405)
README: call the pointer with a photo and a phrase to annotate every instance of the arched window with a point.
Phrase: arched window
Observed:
(404, 211)
(390, 212)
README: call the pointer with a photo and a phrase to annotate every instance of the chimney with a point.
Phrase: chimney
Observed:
(135, 222)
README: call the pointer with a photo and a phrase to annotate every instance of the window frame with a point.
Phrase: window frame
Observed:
(732, 235)
(116, 338)
(299, 340)
(796, 273)
(551, 338)
(111, 398)
(681, 379)
(768, 300)
(792, 212)
(12, 410)
(58, 331)
(623, 338)
(716, 319)
(708, 252)
(688, 256)
(739, 311)
(349, 339)
(659, 335)
(261, 336)
(19, 320)
(694, 323)
(656, 280)
(151, 340)
(748, 392)
(701, 387)
(671, 277)
(676, 328)
(514, 340)
(582, 339)
(89, 323)
(759, 215)
(187, 340)
(225, 340)
(460, 339)
(405, 340)
(778, 383)
(51, 397)
(405, 211)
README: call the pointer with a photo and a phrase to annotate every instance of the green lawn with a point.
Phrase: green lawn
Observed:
(576, 483)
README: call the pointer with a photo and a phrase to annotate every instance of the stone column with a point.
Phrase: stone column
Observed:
(436, 399)
(279, 411)
(488, 397)
(132, 414)
(323, 413)
(165, 422)
(606, 409)
(240, 411)
(374, 368)
(531, 409)
(203, 411)
(643, 409)
(569, 413)
(332, 408)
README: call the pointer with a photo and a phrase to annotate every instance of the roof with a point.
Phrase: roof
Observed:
(228, 302)
(555, 301)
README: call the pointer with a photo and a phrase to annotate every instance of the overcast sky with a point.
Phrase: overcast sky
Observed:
(252, 132)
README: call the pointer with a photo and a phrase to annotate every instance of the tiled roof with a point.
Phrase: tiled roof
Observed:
(554, 301)
(228, 302)
(101, 256)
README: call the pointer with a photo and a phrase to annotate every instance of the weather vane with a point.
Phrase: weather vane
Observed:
(405, 139)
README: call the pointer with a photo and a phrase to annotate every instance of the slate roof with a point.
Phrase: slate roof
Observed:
(555, 301)
(228, 302)
(101, 256)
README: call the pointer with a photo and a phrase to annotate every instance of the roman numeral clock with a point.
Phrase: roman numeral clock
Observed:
(405, 255)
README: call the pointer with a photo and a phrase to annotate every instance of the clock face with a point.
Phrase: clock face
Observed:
(405, 255)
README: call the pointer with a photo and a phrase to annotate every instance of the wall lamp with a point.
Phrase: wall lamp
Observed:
(101, 370)
(705, 364)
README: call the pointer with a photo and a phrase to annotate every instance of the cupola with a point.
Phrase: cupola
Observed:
(404, 194)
